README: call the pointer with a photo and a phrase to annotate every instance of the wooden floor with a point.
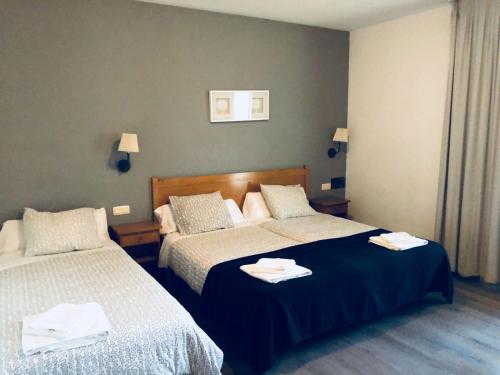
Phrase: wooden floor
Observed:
(429, 337)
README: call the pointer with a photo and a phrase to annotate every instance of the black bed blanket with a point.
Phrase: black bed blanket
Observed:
(352, 281)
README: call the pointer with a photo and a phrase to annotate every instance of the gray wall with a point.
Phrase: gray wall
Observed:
(74, 75)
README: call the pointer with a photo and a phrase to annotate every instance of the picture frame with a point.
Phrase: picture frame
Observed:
(238, 105)
(260, 105)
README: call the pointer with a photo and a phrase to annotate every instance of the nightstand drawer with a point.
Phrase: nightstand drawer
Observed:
(139, 239)
(337, 209)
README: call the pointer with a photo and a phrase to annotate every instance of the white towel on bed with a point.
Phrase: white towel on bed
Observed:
(63, 327)
(278, 264)
(275, 270)
(398, 241)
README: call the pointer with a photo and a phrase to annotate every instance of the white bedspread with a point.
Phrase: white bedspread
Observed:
(192, 257)
(152, 333)
(171, 238)
(17, 258)
(315, 227)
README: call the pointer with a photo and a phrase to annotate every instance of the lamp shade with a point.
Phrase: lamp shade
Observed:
(128, 143)
(341, 135)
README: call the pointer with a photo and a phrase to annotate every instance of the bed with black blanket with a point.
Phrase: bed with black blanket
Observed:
(352, 281)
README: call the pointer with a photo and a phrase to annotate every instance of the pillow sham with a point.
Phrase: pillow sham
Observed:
(165, 216)
(53, 233)
(200, 213)
(286, 201)
(255, 207)
(12, 232)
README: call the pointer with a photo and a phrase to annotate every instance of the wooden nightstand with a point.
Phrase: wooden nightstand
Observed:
(141, 241)
(331, 206)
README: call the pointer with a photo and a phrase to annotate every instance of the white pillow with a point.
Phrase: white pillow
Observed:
(53, 233)
(255, 207)
(12, 236)
(234, 211)
(165, 217)
(12, 233)
(102, 223)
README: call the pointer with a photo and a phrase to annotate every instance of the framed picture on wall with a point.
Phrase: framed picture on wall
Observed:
(221, 106)
(260, 105)
(238, 105)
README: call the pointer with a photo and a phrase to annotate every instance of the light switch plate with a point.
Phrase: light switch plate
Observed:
(327, 186)
(121, 210)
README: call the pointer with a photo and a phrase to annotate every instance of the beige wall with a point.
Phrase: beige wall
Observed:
(397, 88)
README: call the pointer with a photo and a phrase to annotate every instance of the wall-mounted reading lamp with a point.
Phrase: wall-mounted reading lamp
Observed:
(128, 144)
(341, 136)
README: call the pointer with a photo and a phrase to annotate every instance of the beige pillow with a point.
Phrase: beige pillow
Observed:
(200, 213)
(52, 233)
(286, 201)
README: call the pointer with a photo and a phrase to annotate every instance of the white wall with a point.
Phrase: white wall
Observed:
(397, 89)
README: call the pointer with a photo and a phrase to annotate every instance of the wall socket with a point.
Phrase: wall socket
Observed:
(327, 186)
(121, 210)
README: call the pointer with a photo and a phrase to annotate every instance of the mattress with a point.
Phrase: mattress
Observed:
(191, 257)
(151, 332)
(315, 228)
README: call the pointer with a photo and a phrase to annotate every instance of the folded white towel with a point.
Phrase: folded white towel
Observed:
(64, 327)
(397, 241)
(62, 320)
(397, 237)
(377, 240)
(274, 272)
(278, 264)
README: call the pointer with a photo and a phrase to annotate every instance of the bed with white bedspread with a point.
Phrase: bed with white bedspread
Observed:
(151, 332)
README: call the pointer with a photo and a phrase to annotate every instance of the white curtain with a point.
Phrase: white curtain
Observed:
(468, 215)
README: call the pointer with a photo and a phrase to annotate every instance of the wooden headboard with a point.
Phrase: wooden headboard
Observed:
(232, 185)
